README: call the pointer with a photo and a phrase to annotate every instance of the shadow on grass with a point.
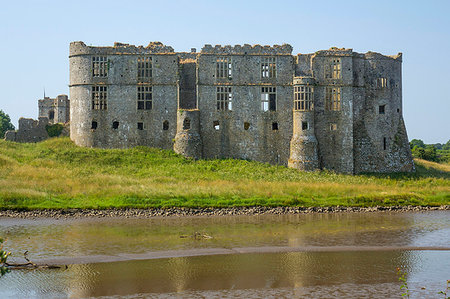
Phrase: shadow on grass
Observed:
(421, 172)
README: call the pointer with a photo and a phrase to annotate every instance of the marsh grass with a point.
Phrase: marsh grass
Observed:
(57, 174)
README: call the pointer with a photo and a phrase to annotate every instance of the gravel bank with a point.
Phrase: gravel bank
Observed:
(180, 212)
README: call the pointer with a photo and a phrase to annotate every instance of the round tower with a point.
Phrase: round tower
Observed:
(303, 152)
(81, 114)
(187, 140)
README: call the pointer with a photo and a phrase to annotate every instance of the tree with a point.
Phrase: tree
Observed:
(416, 142)
(5, 124)
(446, 146)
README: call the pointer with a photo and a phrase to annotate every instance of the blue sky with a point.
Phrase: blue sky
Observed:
(35, 37)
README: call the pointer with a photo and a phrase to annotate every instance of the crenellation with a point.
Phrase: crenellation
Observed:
(333, 109)
(247, 49)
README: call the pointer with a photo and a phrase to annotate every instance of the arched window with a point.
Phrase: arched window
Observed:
(51, 115)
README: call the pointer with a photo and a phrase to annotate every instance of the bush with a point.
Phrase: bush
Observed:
(54, 130)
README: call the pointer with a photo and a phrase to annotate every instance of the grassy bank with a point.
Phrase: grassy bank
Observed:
(56, 174)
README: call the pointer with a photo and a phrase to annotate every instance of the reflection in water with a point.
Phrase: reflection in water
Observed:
(290, 274)
(297, 272)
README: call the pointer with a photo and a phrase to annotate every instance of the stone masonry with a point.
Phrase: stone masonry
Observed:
(57, 110)
(334, 109)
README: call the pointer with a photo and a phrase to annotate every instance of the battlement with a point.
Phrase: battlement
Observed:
(79, 48)
(247, 49)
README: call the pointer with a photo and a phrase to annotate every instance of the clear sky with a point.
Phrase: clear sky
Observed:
(35, 37)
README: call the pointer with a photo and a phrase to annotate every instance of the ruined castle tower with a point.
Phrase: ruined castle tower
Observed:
(333, 109)
(57, 110)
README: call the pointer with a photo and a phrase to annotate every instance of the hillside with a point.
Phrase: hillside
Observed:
(57, 174)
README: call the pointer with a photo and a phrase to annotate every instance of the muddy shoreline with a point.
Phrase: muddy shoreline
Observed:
(182, 212)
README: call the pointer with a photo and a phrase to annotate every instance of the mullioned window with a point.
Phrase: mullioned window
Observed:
(333, 98)
(303, 98)
(99, 66)
(223, 67)
(99, 97)
(333, 69)
(144, 98)
(268, 67)
(144, 68)
(224, 98)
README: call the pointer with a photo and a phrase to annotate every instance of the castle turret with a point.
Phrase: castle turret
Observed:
(303, 153)
(187, 141)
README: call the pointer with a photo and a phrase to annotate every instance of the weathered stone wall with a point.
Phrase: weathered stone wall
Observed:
(335, 145)
(259, 141)
(121, 83)
(30, 130)
(381, 142)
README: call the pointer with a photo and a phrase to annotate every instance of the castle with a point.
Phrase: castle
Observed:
(333, 109)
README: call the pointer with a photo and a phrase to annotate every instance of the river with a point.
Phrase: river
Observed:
(351, 255)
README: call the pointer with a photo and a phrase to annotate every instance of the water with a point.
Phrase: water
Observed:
(322, 255)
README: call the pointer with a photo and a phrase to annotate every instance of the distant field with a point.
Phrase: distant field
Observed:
(56, 174)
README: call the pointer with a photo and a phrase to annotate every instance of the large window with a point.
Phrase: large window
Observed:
(333, 98)
(303, 98)
(144, 98)
(224, 98)
(268, 67)
(268, 99)
(333, 70)
(99, 97)
(99, 66)
(144, 67)
(223, 67)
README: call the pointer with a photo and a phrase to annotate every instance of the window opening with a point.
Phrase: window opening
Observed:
(381, 109)
(216, 125)
(268, 67)
(94, 125)
(223, 67)
(246, 126)
(305, 125)
(186, 124)
(140, 126)
(275, 126)
(99, 97)
(384, 143)
(115, 125)
(144, 67)
(144, 98)
(333, 98)
(224, 98)
(51, 115)
(268, 99)
(303, 98)
(333, 70)
(99, 66)
(333, 127)
(165, 125)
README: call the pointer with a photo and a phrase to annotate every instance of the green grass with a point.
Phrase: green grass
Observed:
(56, 174)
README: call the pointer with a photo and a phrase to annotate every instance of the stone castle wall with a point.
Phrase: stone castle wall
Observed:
(358, 137)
